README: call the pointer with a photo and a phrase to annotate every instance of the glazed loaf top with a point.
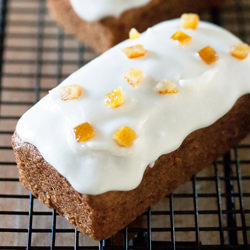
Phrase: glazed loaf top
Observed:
(161, 88)
(94, 10)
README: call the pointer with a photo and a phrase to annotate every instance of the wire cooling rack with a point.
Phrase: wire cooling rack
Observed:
(212, 211)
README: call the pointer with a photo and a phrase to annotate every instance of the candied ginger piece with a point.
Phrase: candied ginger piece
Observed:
(134, 76)
(208, 55)
(190, 21)
(125, 136)
(71, 92)
(134, 34)
(84, 132)
(135, 51)
(115, 98)
(166, 87)
(181, 37)
(240, 51)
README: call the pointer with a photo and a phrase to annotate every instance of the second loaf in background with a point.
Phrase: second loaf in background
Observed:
(103, 24)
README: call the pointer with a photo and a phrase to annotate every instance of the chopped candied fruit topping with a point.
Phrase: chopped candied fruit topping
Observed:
(208, 55)
(115, 98)
(84, 132)
(166, 87)
(135, 51)
(240, 51)
(190, 21)
(71, 92)
(125, 136)
(134, 76)
(181, 37)
(134, 34)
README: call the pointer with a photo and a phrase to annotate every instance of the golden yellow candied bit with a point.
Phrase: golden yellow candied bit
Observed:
(71, 92)
(190, 21)
(125, 136)
(240, 51)
(208, 55)
(115, 98)
(166, 87)
(134, 34)
(135, 51)
(181, 37)
(84, 132)
(134, 76)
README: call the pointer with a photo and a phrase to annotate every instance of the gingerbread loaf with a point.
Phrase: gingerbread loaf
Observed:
(129, 127)
(101, 30)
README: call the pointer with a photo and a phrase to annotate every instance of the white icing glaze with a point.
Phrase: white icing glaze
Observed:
(161, 122)
(94, 10)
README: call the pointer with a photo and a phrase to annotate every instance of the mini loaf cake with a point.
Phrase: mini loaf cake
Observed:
(126, 129)
(101, 24)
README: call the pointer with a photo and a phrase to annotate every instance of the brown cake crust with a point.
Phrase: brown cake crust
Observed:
(101, 216)
(107, 32)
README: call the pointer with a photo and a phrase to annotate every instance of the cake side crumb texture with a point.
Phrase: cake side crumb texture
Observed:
(101, 216)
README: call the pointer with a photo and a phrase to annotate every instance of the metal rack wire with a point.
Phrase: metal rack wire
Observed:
(212, 211)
